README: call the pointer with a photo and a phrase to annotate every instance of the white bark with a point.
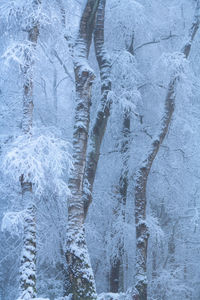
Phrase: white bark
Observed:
(103, 113)
(80, 270)
(142, 233)
(28, 256)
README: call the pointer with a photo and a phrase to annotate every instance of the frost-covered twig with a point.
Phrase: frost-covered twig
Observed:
(155, 41)
(63, 65)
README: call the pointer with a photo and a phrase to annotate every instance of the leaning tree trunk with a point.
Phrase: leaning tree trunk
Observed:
(117, 265)
(28, 257)
(80, 270)
(142, 233)
(103, 112)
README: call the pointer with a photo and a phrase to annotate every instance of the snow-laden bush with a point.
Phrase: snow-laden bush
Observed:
(116, 238)
(20, 53)
(125, 78)
(23, 12)
(13, 222)
(174, 62)
(44, 160)
(155, 230)
(175, 65)
(169, 284)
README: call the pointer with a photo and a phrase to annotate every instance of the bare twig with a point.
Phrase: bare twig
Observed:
(156, 41)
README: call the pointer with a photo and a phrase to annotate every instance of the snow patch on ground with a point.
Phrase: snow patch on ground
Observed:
(34, 299)
(111, 296)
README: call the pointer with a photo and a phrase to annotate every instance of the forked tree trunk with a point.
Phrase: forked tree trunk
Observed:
(80, 270)
(103, 112)
(28, 257)
(142, 233)
(117, 266)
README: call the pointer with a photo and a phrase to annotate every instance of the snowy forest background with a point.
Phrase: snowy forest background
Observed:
(99, 144)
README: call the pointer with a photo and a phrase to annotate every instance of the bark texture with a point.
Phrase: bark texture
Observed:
(80, 270)
(33, 33)
(142, 233)
(117, 266)
(28, 257)
(100, 124)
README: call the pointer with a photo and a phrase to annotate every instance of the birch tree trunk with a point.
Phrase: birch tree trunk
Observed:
(142, 233)
(103, 112)
(28, 257)
(80, 270)
(117, 266)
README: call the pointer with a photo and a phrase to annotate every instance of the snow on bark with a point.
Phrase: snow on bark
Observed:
(117, 264)
(80, 270)
(103, 112)
(142, 232)
(81, 274)
(28, 255)
(33, 33)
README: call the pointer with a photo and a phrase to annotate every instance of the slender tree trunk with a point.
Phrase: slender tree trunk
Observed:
(103, 113)
(185, 276)
(55, 96)
(115, 275)
(28, 258)
(27, 70)
(80, 270)
(117, 266)
(142, 233)
(154, 261)
(171, 247)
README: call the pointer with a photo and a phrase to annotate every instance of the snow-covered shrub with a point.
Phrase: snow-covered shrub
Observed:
(173, 65)
(43, 160)
(124, 68)
(155, 229)
(20, 52)
(168, 284)
(23, 12)
(13, 222)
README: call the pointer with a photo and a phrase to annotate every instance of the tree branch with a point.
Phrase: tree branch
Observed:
(155, 41)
